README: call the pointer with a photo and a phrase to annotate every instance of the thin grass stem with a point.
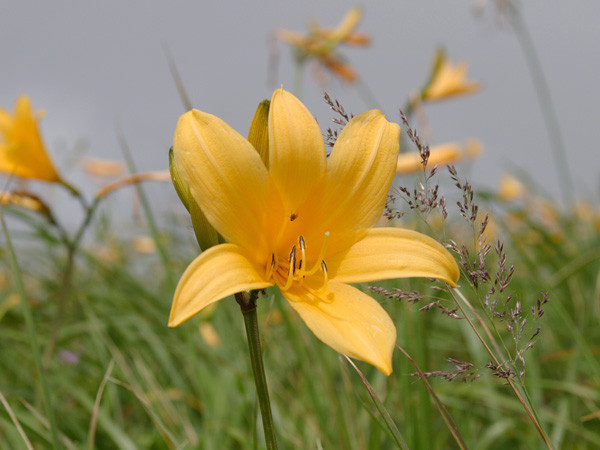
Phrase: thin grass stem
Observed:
(298, 79)
(72, 246)
(33, 338)
(526, 405)
(438, 403)
(183, 95)
(16, 423)
(147, 210)
(96, 409)
(391, 426)
(542, 90)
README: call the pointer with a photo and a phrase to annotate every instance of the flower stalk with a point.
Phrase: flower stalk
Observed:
(247, 302)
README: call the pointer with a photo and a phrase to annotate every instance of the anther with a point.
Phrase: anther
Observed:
(303, 251)
(324, 268)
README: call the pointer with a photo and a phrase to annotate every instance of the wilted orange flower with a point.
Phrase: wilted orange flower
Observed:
(447, 79)
(24, 200)
(321, 44)
(439, 154)
(22, 151)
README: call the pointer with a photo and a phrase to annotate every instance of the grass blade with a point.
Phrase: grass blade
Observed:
(391, 426)
(440, 406)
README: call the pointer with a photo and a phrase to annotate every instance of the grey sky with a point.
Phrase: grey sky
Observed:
(91, 64)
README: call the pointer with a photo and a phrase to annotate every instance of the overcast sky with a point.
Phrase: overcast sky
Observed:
(90, 65)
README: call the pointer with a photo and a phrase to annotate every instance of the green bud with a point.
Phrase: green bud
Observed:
(206, 235)
(258, 135)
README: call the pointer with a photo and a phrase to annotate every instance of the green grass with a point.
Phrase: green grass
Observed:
(119, 378)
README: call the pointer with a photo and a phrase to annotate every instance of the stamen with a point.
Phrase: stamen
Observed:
(324, 267)
(272, 268)
(292, 269)
(321, 257)
(303, 251)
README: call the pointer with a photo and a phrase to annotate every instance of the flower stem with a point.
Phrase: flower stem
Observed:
(247, 304)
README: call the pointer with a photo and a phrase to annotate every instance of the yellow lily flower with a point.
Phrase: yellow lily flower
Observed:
(303, 222)
(448, 80)
(439, 154)
(22, 151)
(321, 44)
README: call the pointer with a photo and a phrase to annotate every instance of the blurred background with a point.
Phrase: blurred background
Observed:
(99, 67)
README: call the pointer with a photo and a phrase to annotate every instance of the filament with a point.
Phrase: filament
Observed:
(291, 270)
(317, 265)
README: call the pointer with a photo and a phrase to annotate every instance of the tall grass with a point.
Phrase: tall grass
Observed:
(120, 378)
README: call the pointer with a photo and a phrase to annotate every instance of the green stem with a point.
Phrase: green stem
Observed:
(33, 339)
(545, 100)
(247, 304)
(72, 247)
(147, 211)
(298, 78)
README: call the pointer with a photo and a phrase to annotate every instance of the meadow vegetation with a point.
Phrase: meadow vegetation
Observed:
(509, 359)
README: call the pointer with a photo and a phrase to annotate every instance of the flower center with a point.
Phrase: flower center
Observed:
(294, 268)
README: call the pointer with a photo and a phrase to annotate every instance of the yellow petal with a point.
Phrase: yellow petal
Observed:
(6, 122)
(393, 253)
(360, 170)
(349, 321)
(23, 152)
(290, 37)
(347, 25)
(228, 180)
(449, 80)
(412, 161)
(296, 149)
(218, 272)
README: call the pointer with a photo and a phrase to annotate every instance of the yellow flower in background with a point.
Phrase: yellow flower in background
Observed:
(299, 220)
(321, 44)
(439, 154)
(103, 168)
(22, 151)
(448, 80)
(511, 189)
